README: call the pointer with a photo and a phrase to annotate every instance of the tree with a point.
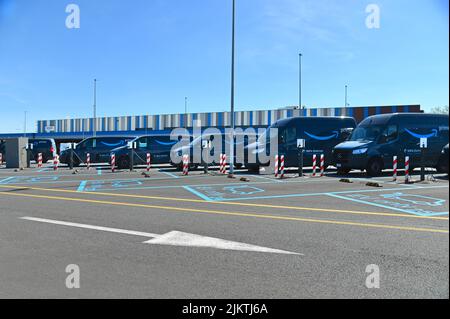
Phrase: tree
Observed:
(440, 110)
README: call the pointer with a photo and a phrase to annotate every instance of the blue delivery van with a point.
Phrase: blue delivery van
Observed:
(99, 149)
(379, 138)
(321, 134)
(158, 146)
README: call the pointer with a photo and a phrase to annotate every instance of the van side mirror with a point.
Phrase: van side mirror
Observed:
(383, 139)
(345, 133)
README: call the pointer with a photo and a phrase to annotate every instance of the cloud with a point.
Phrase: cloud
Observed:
(319, 20)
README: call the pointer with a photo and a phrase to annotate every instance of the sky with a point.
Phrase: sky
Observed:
(148, 55)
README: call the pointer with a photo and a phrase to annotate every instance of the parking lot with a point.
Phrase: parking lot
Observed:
(166, 235)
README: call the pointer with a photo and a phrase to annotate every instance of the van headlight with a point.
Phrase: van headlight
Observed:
(360, 151)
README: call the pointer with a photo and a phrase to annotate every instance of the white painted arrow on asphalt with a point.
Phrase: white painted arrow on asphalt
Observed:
(173, 238)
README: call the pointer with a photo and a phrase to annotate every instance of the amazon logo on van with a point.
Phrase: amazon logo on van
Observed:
(166, 143)
(323, 138)
(113, 144)
(434, 133)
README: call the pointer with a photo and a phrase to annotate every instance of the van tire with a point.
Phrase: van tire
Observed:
(76, 162)
(123, 163)
(343, 171)
(253, 168)
(374, 167)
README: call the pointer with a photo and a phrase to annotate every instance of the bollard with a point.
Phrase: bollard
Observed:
(282, 167)
(148, 162)
(55, 162)
(222, 164)
(314, 165)
(395, 164)
(1, 158)
(407, 178)
(88, 161)
(39, 160)
(185, 165)
(322, 165)
(113, 163)
(276, 166)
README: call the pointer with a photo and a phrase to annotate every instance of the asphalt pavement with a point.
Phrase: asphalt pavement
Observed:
(166, 235)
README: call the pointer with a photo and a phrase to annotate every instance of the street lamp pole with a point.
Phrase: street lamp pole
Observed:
(346, 104)
(185, 112)
(95, 108)
(232, 92)
(25, 124)
(300, 82)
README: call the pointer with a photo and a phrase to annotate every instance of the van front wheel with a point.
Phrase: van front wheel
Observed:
(374, 167)
(123, 163)
(343, 171)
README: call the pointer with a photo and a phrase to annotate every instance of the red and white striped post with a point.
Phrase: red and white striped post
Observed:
(39, 160)
(314, 165)
(407, 178)
(395, 165)
(148, 162)
(1, 158)
(113, 163)
(282, 167)
(322, 165)
(88, 161)
(55, 162)
(185, 165)
(223, 164)
(277, 170)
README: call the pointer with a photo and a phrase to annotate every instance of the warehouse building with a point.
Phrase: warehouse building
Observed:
(153, 123)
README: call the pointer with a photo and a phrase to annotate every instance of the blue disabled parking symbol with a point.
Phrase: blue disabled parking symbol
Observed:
(242, 190)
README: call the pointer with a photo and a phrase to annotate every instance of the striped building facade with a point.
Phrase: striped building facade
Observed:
(212, 119)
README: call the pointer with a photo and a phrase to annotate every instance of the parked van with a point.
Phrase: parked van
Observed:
(158, 146)
(442, 166)
(45, 146)
(99, 149)
(379, 138)
(321, 134)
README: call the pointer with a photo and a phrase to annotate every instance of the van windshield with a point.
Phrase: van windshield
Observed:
(366, 133)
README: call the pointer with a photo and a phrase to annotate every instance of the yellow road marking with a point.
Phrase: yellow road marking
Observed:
(298, 208)
(205, 211)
